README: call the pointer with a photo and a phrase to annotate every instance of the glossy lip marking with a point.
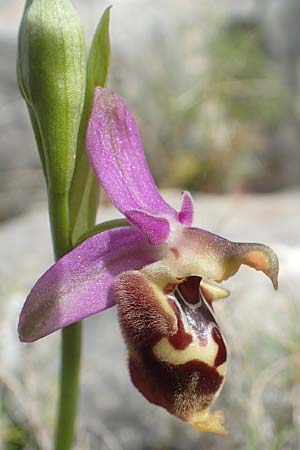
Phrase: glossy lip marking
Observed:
(178, 295)
(183, 318)
(212, 351)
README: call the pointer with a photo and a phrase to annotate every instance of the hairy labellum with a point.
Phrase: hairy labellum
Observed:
(177, 355)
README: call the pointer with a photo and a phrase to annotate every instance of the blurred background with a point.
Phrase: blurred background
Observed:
(215, 89)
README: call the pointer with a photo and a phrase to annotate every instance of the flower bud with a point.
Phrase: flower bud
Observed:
(51, 75)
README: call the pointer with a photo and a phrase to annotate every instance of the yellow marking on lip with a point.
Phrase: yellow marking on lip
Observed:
(164, 304)
(165, 351)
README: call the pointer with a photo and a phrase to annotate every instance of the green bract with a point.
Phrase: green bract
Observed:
(84, 190)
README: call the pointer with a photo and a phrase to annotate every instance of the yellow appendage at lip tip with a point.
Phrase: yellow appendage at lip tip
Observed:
(209, 422)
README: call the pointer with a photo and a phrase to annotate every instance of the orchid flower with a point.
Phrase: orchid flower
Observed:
(162, 274)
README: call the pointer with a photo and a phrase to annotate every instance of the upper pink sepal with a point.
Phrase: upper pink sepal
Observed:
(81, 283)
(116, 154)
(186, 214)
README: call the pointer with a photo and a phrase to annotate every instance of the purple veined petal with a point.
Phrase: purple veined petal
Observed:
(116, 155)
(81, 283)
(186, 214)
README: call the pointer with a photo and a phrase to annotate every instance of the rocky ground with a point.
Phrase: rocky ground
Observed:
(261, 395)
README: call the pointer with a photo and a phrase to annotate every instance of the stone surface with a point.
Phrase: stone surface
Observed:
(261, 327)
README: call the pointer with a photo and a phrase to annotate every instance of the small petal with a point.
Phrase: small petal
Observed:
(81, 283)
(116, 155)
(185, 215)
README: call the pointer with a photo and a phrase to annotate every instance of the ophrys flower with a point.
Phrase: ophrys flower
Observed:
(161, 272)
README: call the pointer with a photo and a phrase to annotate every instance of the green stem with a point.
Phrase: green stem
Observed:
(69, 384)
(71, 336)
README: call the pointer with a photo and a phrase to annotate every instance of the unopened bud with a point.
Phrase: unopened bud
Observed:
(51, 74)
